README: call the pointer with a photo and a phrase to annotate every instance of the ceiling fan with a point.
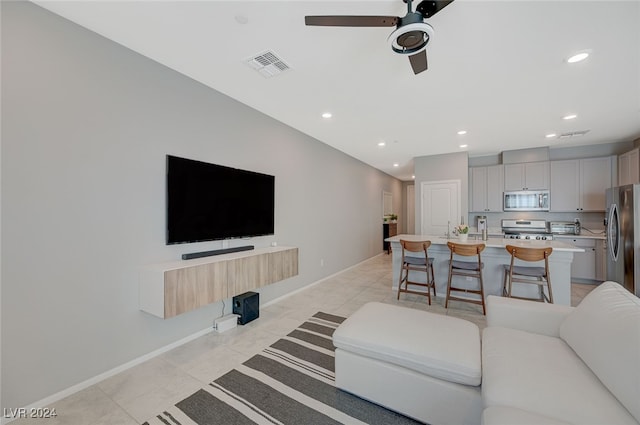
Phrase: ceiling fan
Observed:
(410, 37)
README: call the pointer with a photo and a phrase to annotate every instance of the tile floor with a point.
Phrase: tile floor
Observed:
(139, 393)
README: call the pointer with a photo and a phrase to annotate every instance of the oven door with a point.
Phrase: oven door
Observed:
(526, 201)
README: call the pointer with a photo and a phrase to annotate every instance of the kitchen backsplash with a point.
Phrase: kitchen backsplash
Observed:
(591, 222)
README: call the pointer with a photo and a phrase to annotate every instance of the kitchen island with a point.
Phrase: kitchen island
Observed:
(494, 257)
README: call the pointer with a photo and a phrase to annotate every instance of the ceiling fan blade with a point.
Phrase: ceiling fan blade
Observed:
(419, 62)
(352, 21)
(428, 8)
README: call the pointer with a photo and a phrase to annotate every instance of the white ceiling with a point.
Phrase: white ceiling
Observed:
(496, 69)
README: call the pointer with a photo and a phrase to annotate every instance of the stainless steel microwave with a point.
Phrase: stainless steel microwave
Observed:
(526, 200)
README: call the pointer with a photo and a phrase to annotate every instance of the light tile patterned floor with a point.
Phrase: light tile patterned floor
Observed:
(137, 394)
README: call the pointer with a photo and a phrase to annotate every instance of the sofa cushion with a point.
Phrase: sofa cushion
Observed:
(502, 415)
(604, 330)
(439, 346)
(542, 374)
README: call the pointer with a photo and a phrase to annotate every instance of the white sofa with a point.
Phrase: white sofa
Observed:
(549, 364)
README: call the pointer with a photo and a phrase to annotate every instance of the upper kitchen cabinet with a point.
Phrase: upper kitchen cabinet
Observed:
(580, 184)
(526, 176)
(629, 167)
(486, 185)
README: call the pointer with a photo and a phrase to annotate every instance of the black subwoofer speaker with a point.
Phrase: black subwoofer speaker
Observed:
(247, 306)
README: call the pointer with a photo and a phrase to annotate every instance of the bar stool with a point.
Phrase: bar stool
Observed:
(532, 275)
(467, 269)
(416, 264)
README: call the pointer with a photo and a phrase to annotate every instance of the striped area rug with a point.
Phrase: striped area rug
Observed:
(290, 382)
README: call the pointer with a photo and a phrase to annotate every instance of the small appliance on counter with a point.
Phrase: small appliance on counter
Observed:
(526, 229)
(565, 227)
(482, 226)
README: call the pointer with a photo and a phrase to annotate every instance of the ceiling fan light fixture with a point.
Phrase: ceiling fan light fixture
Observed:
(411, 38)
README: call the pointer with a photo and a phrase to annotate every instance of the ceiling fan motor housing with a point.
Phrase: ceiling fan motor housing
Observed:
(411, 35)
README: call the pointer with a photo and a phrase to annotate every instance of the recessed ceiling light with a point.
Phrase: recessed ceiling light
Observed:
(550, 135)
(578, 57)
(463, 146)
(569, 117)
(462, 132)
(381, 144)
(395, 164)
(413, 177)
(327, 115)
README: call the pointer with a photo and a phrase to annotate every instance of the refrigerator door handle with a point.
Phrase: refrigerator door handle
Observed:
(613, 232)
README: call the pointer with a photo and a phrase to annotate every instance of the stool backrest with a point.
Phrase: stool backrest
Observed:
(415, 246)
(529, 254)
(465, 249)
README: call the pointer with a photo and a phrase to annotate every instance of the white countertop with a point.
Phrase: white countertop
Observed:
(491, 242)
(582, 236)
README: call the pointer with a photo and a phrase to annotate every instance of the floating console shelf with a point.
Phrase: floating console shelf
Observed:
(170, 289)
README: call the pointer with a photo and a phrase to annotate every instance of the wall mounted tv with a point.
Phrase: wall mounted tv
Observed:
(210, 202)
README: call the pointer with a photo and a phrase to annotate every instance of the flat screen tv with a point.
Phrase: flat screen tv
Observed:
(211, 202)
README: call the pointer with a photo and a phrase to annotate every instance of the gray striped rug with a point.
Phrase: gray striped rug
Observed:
(290, 382)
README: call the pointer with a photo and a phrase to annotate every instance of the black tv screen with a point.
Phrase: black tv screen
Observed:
(211, 202)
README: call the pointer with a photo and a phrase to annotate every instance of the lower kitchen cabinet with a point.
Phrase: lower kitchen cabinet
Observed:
(586, 265)
(601, 259)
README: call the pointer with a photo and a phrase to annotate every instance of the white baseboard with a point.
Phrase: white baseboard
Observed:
(47, 401)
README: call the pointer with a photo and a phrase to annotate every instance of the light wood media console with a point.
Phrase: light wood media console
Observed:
(169, 289)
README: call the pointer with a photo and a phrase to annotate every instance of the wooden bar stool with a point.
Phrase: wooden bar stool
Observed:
(532, 275)
(466, 269)
(416, 264)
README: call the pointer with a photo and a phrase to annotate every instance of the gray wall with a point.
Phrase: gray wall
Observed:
(86, 127)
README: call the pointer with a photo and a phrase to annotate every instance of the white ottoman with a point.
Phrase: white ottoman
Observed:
(423, 365)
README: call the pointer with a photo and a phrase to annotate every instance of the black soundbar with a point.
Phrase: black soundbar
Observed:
(193, 255)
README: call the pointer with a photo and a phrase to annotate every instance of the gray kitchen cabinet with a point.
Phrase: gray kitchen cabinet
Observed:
(564, 187)
(629, 167)
(486, 186)
(584, 263)
(526, 176)
(579, 185)
(601, 260)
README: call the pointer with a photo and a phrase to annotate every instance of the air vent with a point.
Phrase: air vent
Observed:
(573, 134)
(268, 64)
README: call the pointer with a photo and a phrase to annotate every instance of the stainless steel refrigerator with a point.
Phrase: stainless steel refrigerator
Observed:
(623, 236)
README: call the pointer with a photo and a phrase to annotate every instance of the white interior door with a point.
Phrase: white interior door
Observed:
(440, 206)
(411, 209)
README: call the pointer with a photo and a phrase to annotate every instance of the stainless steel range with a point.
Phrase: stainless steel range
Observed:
(526, 229)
